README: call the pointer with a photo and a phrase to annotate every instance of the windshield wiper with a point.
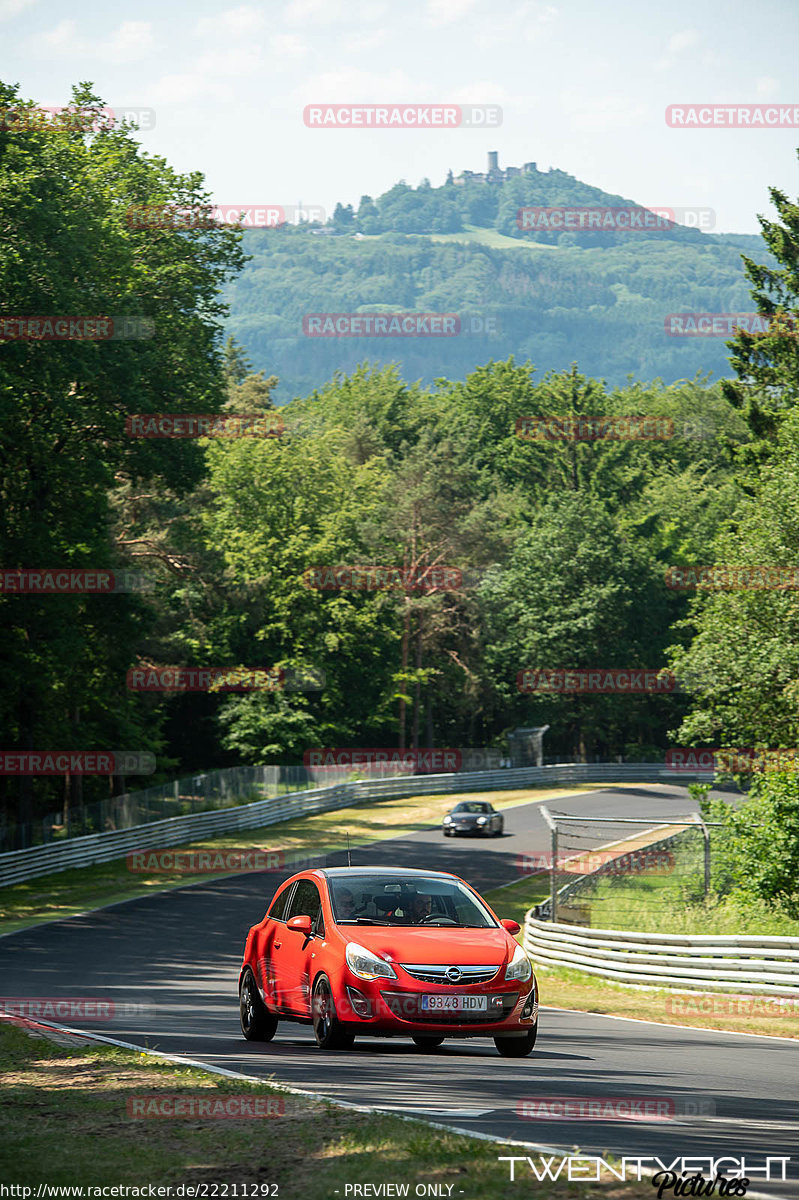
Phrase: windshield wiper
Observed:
(362, 921)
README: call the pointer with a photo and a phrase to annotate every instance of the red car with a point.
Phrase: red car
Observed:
(385, 951)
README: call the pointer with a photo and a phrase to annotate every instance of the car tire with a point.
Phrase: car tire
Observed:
(517, 1047)
(498, 832)
(257, 1023)
(327, 1028)
(427, 1042)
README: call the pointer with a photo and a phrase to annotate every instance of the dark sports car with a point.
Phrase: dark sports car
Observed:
(473, 816)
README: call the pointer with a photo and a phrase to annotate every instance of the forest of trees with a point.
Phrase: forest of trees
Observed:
(564, 545)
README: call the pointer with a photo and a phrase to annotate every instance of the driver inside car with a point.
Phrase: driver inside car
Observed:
(421, 907)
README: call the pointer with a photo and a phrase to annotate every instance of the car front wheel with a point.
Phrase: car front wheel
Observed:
(517, 1047)
(257, 1023)
(326, 1026)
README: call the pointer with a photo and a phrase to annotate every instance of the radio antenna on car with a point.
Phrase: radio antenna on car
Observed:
(349, 856)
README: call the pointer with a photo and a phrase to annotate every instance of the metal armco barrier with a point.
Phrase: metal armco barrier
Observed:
(705, 962)
(19, 865)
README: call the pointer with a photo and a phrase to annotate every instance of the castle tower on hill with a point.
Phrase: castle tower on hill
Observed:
(495, 173)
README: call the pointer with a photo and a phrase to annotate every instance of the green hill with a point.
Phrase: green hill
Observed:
(593, 297)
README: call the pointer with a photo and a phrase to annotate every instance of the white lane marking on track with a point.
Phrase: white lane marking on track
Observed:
(434, 1112)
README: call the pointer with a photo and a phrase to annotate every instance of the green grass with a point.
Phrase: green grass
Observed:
(674, 902)
(514, 901)
(66, 1122)
(477, 235)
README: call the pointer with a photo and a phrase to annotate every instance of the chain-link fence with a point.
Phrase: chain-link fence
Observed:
(623, 872)
(203, 792)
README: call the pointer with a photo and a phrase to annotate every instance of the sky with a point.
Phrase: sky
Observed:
(583, 86)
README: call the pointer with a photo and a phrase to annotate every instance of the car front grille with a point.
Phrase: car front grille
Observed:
(435, 973)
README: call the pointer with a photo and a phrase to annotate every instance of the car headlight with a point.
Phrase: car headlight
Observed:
(447, 820)
(366, 965)
(482, 820)
(519, 967)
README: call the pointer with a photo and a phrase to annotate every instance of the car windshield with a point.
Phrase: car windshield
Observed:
(415, 900)
(472, 807)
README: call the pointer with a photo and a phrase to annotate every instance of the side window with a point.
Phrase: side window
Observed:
(307, 902)
(278, 910)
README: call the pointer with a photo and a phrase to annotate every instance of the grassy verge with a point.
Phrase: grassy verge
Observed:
(563, 988)
(515, 900)
(69, 892)
(67, 1122)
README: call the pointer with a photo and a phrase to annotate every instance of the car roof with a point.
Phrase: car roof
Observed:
(339, 872)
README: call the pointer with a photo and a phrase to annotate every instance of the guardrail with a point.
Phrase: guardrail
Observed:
(704, 962)
(19, 865)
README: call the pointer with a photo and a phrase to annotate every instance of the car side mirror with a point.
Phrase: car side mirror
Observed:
(512, 926)
(301, 925)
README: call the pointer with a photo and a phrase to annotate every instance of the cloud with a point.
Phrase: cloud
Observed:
(527, 22)
(235, 63)
(680, 42)
(12, 8)
(287, 46)
(444, 12)
(129, 42)
(767, 87)
(239, 22)
(334, 12)
(364, 87)
(603, 113)
(363, 42)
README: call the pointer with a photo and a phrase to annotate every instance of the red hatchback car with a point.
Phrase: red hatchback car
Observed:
(386, 951)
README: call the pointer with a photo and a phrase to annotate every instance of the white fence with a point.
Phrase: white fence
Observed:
(705, 962)
(19, 865)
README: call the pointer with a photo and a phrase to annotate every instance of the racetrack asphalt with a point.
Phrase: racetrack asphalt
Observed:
(170, 963)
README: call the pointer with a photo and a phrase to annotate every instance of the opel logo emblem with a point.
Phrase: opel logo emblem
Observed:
(453, 974)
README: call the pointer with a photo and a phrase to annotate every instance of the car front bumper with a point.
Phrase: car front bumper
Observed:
(387, 1006)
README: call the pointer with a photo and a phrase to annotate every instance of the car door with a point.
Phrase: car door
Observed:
(271, 936)
(293, 957)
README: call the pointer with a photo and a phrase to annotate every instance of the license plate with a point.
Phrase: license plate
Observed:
(457, 1003)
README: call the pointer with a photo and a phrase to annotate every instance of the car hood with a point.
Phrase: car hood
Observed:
(471, 818)
(442, 945)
